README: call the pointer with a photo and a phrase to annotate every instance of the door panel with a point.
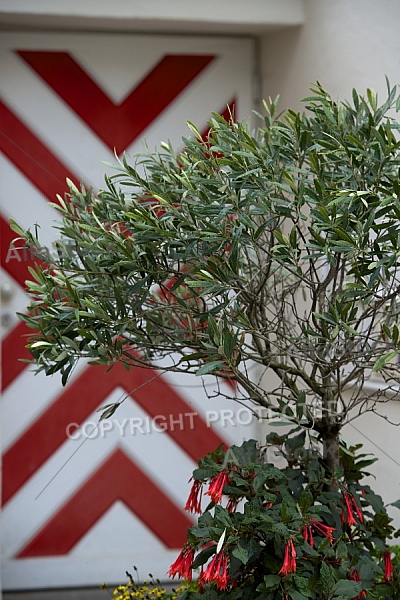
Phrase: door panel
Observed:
(83, 502)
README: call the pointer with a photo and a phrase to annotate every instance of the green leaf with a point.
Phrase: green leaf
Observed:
(341, 550)
(108, 412)
(194, 130)
(308, 549)
(375, 501)
(372, 98)
(327, 578)
(271, 581)
(40, 344)
(203, 557)
(326, 317)
(17, 228)
(229, 344)
(62, 356)
(347, 588)
(66, 373)
(241, 554)
(282, 238)
(214, 365)
(295, 595)
(383, 360)
(300, 404)
(306, 500)
(213, 330)
(208, 594)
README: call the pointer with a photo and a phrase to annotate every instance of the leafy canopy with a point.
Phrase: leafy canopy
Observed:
(279, 247)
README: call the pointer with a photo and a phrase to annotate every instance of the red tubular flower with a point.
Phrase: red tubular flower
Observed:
(217, 571)
(217, 484)
(323, 529)
(348, 500)
(289, 560)
(308, 535)
(356, 508)
(355, 576)
(193, 503)
(232, 504)
(183, 564)
(388, 574)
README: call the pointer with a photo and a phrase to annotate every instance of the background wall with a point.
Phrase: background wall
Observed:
(343, 44)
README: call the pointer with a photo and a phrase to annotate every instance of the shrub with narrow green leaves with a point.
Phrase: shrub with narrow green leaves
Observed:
(278, 248)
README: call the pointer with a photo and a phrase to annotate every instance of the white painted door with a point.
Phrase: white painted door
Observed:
(78, 512)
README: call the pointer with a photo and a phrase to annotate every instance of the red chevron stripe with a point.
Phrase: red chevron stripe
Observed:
(83, 396)
(118, 478)
(13, 350)
(48, 174)
(13, 344)
(117, 125)
(32, 157)
(17, 261)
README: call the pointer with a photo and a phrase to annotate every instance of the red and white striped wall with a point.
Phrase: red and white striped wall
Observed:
(81, 511)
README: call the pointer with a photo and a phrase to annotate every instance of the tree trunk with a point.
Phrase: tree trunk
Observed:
(330, 440)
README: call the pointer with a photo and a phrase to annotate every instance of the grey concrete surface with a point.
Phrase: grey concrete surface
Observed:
(70, 594)
(95, 593)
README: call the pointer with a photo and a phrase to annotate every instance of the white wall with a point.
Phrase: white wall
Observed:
(344, 44)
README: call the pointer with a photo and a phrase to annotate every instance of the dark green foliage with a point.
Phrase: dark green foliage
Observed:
(342, 558)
